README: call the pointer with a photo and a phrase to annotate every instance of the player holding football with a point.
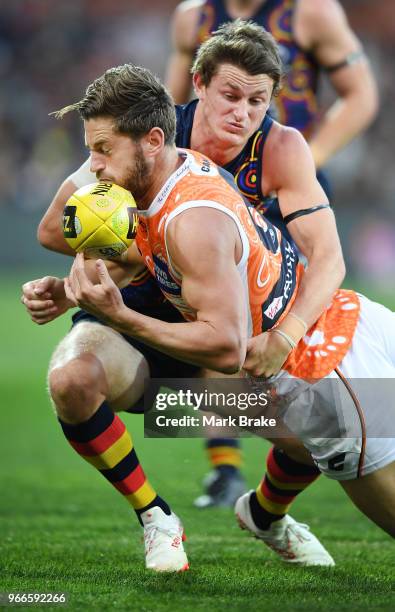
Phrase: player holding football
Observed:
(228, 123)
(178, 193)
(307, 550)
(313, 38)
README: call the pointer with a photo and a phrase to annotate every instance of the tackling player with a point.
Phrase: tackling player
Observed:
(178, 193)
(273, 169)
(313, 38)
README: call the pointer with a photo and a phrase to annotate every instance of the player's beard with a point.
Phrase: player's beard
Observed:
(138, 179)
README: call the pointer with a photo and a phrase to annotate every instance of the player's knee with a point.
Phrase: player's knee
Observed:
(77, 386)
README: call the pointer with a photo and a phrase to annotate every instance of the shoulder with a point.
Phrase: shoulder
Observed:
(285, 141)
(287, 154)
(184, 21)
(188, 9)
(317, 12)
(201, 228)
(317, 19)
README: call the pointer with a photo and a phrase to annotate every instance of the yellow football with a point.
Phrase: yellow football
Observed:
(101, 220)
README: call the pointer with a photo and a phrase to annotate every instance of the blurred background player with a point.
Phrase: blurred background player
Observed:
(313, 37)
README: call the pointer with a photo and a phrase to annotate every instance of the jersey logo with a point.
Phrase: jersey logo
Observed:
(162, 275)
(274, 307)
(203, 167)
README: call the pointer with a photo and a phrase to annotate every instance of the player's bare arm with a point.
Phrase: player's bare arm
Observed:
(321, 27)
(50, 229)
(183, 39)
(314, 233)
(316, 236)
(203, 245)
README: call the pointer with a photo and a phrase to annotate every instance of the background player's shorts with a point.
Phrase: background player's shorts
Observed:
(347, 422)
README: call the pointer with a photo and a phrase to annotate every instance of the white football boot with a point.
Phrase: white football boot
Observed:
(163, 537)
(292, 541)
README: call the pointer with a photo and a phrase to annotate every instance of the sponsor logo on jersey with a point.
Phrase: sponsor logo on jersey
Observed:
(290, 259)
(274, 307)
(163, 277)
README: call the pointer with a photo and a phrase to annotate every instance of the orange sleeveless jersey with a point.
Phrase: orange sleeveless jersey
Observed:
(198, 183)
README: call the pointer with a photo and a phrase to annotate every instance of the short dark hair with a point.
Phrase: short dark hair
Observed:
(243, 44)
(134, 97)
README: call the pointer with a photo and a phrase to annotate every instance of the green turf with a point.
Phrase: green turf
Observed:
(63, 528)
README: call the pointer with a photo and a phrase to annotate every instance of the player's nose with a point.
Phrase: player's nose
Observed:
(97, 163)
(241, 110)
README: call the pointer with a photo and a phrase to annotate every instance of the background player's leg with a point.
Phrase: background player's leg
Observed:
(374, 495)
(225, 483)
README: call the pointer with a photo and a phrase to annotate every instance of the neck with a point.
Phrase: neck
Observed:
(203, 141)
(162, 169)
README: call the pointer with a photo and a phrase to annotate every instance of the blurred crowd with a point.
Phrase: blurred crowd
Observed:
(50, 51)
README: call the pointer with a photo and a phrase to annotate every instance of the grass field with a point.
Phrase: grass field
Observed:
(64, 529)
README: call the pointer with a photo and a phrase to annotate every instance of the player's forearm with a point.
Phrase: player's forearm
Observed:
(324, 275)
(50, 236)
(196, 342)
(344, 120)
(50, 229)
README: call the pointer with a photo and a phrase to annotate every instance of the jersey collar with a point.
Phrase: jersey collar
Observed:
(161, 198)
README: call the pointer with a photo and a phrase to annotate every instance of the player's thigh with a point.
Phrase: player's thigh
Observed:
(121, 367)
(374, 495)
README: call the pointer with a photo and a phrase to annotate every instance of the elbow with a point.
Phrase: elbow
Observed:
(372, 107)
(369, 109)
(44, 237)
(231, 358)
(339, 268)
(374, 101)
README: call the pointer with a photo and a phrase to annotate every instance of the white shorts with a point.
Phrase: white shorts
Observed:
(352, 434)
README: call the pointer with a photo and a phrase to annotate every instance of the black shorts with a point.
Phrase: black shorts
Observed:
(160, 365)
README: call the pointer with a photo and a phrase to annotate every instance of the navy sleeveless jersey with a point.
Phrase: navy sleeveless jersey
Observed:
(246, 167)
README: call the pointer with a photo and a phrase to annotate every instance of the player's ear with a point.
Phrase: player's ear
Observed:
(198, 85)
(154, 142)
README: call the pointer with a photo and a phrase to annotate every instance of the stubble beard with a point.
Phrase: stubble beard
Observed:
(137, 180)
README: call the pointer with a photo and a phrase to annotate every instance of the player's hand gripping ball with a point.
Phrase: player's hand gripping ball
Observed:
(100, 220)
